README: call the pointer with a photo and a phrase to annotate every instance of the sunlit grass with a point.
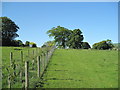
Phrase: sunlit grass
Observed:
(82, 69)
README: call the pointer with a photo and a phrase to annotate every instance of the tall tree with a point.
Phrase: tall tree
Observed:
(8, 31)
(60, 35)
(75, 39)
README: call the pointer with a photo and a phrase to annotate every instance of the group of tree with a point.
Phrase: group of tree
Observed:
(19, 43)
(63, 37)
(103, 45)
(66, 38)
(8, 33)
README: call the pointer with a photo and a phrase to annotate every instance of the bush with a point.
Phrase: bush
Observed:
(103, 45)
(85, 45)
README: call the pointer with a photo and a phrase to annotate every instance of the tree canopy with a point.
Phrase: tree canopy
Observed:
(8, 31)
(60, 35)
(103, 45)
(66, 38)
(75, 39)
(27, 43)
(32, 44)
(85, 45)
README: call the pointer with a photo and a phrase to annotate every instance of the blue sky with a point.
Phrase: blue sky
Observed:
(97, 20)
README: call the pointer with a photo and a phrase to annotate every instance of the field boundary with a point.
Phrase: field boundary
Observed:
(37, 64)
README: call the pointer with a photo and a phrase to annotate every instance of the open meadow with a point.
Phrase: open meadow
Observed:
(82, 69)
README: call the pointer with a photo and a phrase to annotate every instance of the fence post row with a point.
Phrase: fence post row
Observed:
(43, 60)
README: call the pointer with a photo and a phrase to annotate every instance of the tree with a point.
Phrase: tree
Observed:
(48, 44)
(75, 39)
(60, 35)
(85, 45)
(103, 45)
(19, 43)
(32, 44)
(8, 31)
(43, 46)
(27, 43)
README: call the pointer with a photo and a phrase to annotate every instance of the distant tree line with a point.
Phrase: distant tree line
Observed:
(66, 38)
(103, 45)
(19, 43)
(8, 33)
(63, 37)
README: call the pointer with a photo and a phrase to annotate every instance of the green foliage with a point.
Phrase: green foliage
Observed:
(60, 35)
(32, 44)
(8, 31)
(27, 43)
(103, 45)
(85, 45)
(19, 43)
(48, 44)
(66, 38)
(75, 39)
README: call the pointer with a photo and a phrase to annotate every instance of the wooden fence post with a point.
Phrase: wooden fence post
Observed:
(44, 61)
(26, 74)
(22, 56)
(33, 52)
(28, 52)
(11, 58)
(38, 64)
(21, 72)
(36, 51)
(9, 82)
(47, 57)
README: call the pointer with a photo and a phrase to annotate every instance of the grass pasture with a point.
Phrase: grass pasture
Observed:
(82, 69)
(17, 60)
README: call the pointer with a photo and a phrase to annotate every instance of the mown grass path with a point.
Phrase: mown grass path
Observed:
(82, 69)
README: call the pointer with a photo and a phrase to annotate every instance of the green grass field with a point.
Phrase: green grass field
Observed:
(82, 69)
(17, 60)
(67, 68)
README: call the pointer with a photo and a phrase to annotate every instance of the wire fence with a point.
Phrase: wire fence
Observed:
(28, 71)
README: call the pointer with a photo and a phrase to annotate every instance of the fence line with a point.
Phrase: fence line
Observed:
(39, 63)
